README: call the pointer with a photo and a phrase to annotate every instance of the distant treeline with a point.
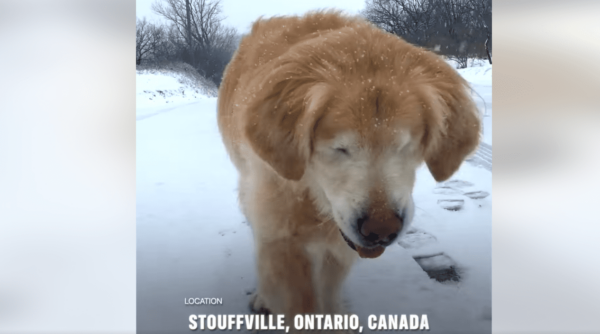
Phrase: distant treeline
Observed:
(459, 29)
(193, 32)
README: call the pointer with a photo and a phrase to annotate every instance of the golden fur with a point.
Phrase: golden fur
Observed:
(327, 118)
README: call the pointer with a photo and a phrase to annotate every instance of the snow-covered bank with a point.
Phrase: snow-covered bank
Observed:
(160, 89)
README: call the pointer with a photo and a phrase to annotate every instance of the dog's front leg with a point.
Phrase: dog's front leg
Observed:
(334, 270)
(285, 279)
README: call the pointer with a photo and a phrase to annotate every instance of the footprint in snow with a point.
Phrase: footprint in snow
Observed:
(439, 267)
(458, 184)
(416, 238)
(455, 187)
(451, 204)
(435, 263)
(446, 191)
(477, 194)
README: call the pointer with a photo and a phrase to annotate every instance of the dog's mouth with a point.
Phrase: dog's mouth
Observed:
(367, 253)
(348, 241)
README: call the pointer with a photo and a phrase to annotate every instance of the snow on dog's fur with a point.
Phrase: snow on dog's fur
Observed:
(327, 118)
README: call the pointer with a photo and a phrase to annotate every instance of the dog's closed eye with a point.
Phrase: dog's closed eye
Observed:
(342, 150)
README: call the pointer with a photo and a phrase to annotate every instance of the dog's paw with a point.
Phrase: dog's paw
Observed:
(257, 305)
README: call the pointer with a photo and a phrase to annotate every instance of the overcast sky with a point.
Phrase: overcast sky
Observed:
(241, 13)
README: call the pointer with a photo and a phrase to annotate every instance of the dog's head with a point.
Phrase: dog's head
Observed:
(356, 133)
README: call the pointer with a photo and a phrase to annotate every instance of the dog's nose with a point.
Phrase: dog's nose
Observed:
(380, 230)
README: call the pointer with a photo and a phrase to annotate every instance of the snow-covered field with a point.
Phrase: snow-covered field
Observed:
(194, 242)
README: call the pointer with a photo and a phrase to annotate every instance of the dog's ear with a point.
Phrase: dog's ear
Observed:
(452, 127)
(282, 115)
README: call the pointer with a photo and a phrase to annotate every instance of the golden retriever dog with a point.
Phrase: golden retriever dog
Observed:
(326, 117)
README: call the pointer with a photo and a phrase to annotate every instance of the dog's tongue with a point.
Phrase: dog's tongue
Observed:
(369, 253)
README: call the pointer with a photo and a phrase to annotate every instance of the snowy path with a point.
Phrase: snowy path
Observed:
(194, 242)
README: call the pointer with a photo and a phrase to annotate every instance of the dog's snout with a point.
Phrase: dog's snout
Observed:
(361, 221)
(365, 232)
(380, 229)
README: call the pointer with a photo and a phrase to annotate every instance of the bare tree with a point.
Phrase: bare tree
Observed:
(148, 39)
(410, 19)
(188, 35)
(482, 13)
(456, 28)
(142, 40)
(209, 44)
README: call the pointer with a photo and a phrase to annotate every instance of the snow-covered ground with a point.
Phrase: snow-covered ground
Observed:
(480, 78)
(194, 242)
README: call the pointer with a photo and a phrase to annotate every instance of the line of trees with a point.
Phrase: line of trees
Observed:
(458, 29)
(193, 34)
